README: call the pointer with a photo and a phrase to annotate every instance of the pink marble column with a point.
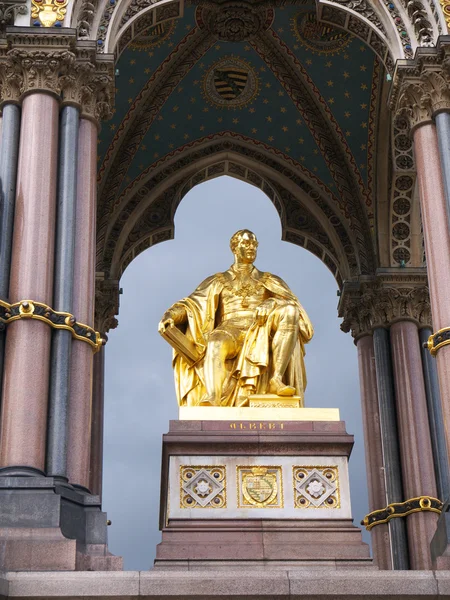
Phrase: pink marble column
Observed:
(80, 406)
(373, 449)
(437, 246)
(414, 436)
(25, 384)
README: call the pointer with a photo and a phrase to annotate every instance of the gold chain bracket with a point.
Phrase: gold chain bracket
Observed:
(402, 509)
(438, 340)
(30, 309)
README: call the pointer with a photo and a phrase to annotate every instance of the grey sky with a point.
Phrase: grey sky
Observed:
(140, 397)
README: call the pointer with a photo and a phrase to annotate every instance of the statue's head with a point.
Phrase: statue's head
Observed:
(243, 245)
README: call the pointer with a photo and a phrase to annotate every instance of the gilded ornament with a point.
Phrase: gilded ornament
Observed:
(48, 12)
(260, 487)
(438, 339)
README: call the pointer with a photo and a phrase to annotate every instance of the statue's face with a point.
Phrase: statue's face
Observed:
(245, 249)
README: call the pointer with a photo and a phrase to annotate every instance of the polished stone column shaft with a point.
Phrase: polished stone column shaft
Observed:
(441, 463)
(442, 120)
(9, 154)
(27, 361)
(63, 292)
(391, 453)
(414, 435)
(98, 396)
(80, 405)
(374, 449)
(437, 247)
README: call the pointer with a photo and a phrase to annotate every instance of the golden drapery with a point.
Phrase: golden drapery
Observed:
(252, 364)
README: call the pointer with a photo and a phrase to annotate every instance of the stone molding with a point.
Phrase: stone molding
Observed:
(107, 294)
(421, 87)
(384, 300)
(9, 9)
(56, 64)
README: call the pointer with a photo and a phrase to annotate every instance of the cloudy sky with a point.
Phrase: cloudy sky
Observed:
(140, 396)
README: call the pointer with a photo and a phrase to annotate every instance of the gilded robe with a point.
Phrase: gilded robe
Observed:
(252, 364)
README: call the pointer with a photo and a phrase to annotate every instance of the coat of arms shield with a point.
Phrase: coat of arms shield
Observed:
(259, 487)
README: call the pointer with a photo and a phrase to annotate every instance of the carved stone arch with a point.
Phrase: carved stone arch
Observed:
(307, 218)
(393, 30)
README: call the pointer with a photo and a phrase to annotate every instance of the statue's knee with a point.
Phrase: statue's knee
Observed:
(290, 312)
(217, 338)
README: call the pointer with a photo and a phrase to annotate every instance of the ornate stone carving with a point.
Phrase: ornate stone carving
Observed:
(86, 19)
(39, 70)
(56, 64)
(235, 21)
(9, 9)
(377, 303)
(414, 102)
(106, 304)
(421, 87)
(363, 7)
(134, 8)
(316, 487)
(203, 487)
(33, 62)
(436, 86)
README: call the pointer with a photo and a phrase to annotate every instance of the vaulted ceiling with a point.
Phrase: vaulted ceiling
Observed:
(296, 88)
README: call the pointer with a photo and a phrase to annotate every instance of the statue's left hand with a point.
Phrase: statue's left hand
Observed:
(263, 311)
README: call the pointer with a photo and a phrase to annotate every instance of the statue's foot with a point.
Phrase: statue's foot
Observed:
(244, 393)
(209, 400)
(276, 386)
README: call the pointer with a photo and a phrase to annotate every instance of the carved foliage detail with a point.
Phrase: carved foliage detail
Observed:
(372, 305)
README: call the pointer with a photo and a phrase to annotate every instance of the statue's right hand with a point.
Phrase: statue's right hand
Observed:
(166, 321)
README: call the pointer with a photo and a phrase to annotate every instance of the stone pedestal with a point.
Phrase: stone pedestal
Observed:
(258, 494)
(46, 526)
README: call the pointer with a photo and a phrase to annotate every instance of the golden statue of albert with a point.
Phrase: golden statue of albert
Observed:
(246, 333)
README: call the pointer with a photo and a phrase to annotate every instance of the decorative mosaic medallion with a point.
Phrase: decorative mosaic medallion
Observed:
(154, 37)
(318, 37)
(316, 487)
(260, 487)
(230, 83)
(203, 487)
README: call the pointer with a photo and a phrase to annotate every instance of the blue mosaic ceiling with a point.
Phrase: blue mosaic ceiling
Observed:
(231, 89)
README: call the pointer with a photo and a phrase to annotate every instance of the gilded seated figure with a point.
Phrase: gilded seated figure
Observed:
(248, 330)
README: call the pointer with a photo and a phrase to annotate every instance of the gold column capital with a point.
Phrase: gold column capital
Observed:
(380, 301)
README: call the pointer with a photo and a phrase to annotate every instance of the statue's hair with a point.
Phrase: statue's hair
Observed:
(237, 236)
